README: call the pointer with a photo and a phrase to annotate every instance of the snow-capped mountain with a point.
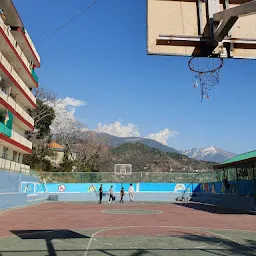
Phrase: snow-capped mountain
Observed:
(212, 154)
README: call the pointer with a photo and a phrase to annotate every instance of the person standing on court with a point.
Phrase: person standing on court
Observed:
(131, 193)
(111, 195)
(100, 193)
(122, 195)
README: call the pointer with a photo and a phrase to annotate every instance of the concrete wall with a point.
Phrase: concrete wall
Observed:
(9, 200)
(226, 201)
(10, 181)
(140, 196)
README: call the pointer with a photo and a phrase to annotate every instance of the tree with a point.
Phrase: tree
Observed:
(44, 113)
(41, 154)
(89, 152)
(68, 162)
(43, 116)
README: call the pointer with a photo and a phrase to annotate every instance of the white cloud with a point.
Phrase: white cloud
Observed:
(130, 130)
(162, 136)
(117, 129)
(65, 112)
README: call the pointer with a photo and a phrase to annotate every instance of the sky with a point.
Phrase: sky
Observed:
(99, 65)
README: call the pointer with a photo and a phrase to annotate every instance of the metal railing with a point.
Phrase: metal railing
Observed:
(109, 177)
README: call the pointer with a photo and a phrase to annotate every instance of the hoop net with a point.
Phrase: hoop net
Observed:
(206, 73)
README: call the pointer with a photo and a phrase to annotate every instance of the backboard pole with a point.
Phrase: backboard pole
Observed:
(228, 18)
(200, 17)
(213, 7)
(226, 6)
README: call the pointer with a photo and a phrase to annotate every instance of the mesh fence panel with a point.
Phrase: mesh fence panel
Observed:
(108, 177)
(111, 177)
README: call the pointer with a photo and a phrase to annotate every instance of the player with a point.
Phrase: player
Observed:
(131, 193)
(100, 193)
(122, 194)
(111, 195)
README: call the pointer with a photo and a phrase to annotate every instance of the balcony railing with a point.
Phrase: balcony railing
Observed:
(5, 130)
(16, 77)
(34, 75)
(9, 165)
(15, 136)
(32, 45)
(20, 139)
(16, 107)
(15, 45)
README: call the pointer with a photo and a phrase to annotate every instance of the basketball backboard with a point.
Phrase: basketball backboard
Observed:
(123, 169)
(202, 27)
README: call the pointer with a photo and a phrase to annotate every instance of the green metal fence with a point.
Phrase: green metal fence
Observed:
(231, 174)
(108, 177)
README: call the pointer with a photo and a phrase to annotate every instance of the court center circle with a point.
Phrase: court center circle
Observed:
(132, 211)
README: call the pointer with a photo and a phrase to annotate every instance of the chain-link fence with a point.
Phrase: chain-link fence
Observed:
(108, 177)
(231, 174)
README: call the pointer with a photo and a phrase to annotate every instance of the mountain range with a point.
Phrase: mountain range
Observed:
(211, 154)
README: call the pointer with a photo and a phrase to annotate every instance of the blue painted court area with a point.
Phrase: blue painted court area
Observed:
(89, 187)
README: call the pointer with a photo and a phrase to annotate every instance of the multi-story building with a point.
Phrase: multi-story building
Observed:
(18, 60)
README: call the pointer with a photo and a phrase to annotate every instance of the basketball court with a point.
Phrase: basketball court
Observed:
(126, 229)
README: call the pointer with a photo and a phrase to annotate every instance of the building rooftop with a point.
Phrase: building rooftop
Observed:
(55, 146)
(242, 158)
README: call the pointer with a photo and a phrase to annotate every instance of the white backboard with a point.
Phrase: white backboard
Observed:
(181, 28)
(123, 169)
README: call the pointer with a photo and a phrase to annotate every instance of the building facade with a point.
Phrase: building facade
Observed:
(18, 61)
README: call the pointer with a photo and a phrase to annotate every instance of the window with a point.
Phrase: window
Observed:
(5, 153)
(14, 156)
(18, 157)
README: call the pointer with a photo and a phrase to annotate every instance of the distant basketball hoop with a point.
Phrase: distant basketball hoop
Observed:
(123, 170)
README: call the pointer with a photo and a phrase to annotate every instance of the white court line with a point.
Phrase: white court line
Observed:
(230, 239)
(92, 238)
(124, 227)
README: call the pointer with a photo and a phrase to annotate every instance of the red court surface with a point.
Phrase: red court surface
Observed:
(126, 229)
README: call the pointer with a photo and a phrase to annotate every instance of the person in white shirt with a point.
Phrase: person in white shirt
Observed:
(111, 195)
(131, 193)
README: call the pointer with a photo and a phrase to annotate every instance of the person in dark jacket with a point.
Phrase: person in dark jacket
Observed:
(100, 193)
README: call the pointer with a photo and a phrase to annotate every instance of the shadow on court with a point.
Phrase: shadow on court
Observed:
(183, 245)
(213, 209)
(48, 236)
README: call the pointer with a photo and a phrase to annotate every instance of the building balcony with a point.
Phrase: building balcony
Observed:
(13, 53)
(21, 117)
(9, 165)
(33, 72)
(26, 45)
(13, 140)
(11, 78)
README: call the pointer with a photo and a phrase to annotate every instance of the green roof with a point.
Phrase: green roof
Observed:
(241, 157)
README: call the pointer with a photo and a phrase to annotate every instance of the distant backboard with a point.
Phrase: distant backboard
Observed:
(182, 27)
(123, 169)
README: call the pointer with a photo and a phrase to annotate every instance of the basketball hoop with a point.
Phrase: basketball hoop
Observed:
(123, 170)
(206, 73)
